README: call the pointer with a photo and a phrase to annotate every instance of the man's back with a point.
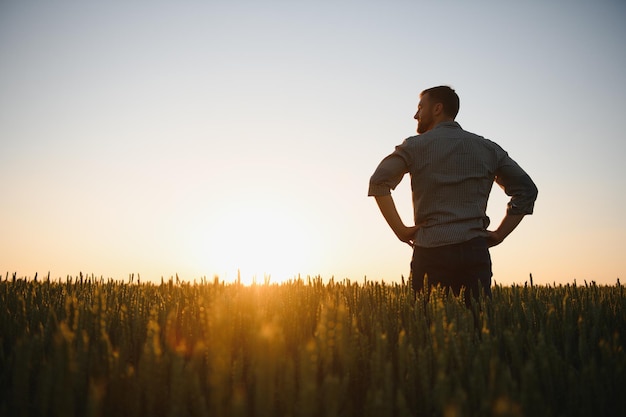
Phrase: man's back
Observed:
(452, 172)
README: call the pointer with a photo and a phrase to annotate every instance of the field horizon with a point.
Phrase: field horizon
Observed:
(267, 279)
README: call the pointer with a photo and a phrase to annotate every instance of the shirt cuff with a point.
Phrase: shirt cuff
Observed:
(376, 190)
(514, 209)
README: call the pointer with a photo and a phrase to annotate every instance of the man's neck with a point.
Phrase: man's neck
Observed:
(443, 119)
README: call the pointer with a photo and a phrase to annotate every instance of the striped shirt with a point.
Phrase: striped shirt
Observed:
(452, 172)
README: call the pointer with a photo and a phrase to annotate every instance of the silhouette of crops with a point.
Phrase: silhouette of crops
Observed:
(90, 347)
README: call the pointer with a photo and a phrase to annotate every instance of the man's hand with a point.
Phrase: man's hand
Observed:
(493, 238)
(388, 209)
(509, 223)
(407, 234)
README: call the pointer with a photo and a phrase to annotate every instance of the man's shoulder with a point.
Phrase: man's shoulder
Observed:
(449, 129)
(479, 138)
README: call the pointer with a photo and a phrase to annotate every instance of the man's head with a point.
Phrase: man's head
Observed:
(437, 104)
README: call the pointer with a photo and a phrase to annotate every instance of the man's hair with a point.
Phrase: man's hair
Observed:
(446, 96)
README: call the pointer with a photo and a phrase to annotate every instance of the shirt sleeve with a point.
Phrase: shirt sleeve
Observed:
(390, 172)
(517, 184)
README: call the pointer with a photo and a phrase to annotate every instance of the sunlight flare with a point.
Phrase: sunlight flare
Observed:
(254, 242)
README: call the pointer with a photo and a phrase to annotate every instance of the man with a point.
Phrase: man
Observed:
(452, 172)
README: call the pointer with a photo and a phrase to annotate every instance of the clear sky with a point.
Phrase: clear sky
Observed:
(197, 138)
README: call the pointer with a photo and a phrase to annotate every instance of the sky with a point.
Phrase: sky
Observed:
(238, 137)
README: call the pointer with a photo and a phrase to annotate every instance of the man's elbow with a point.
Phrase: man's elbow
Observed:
(524, 203)
(378, 185)
(533, 192)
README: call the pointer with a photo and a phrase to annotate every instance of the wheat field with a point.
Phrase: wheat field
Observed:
(86, 346)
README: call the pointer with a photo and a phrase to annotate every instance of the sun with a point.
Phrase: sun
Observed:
(257, 242)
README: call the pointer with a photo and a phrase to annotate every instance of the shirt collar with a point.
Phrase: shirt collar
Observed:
(453, 124)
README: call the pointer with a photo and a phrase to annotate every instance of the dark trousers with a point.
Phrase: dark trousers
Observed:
(454, 266)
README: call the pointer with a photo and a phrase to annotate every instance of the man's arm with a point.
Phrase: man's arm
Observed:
(509, 223)
(390, 213)
(387, 176)
(523, 191)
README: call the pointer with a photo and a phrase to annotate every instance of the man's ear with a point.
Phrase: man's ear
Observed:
(438, 109)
